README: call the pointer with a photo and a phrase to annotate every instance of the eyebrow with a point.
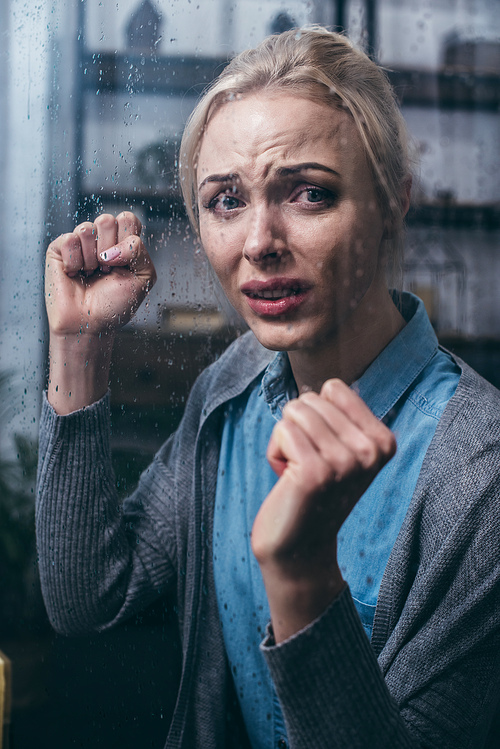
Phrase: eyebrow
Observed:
(283, 171)
(286, 171)
(233, 177)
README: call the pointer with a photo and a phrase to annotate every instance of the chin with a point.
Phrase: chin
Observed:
(282, 338)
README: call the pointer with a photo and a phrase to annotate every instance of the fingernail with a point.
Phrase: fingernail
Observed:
(110, 254)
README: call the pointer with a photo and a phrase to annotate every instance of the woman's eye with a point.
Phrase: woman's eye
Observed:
(313, 195)
(224, 203)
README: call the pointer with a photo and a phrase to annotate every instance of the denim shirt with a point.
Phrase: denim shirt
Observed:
(408, 387)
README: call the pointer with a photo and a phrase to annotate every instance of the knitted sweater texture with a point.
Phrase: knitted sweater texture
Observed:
(431, 675)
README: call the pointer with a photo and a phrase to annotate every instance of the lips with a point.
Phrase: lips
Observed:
(276, 297)
(273, 293)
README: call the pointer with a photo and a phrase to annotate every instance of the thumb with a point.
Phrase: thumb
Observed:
(131, 253)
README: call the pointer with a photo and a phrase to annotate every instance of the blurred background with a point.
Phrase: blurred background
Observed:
(93, 99)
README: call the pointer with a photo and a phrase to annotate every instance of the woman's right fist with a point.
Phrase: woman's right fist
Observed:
(97, 276)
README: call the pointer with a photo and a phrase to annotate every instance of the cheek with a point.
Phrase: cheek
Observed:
(218, 257)
(219, 249)
(346, 256)
(220, 266)
(210, 246)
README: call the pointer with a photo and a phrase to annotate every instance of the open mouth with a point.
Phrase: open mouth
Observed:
(273, 293)
(276, 297)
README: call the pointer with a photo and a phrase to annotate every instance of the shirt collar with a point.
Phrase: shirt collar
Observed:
(400, 363)
(278, 385)
(385, 380)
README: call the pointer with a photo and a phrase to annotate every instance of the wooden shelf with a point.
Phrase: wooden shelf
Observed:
(456, 215)
(153, 205)
(134, 73)
(450, 89)
(447, 89)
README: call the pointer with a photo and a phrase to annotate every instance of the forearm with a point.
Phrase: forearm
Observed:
(93, 570)
(430, 692)
(76, 503)
(298, 597)
(79, 370)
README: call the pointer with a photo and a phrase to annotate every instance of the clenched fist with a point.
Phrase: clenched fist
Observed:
(97, 276)
(95, 279)
(326, 450)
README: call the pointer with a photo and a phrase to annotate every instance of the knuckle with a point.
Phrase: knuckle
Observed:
(105, 221)
(331, 388)
(388, 444)
(290, 407)
(69, 240)
(129, 221)
(308, 398)
(281, 427)
(368, 454)
(69, 249)
(343, 466)
(296, 411)
(135, 246)
(283, 431)
(86, 227)
(57, 244)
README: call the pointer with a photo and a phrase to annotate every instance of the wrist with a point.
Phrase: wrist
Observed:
(79, 370)
(296, 600)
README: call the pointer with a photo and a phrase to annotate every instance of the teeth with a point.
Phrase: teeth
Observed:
(274, 293)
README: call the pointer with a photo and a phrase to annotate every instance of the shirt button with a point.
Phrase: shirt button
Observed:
(282, 744)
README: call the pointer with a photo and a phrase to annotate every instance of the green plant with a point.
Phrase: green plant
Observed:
(17, 535)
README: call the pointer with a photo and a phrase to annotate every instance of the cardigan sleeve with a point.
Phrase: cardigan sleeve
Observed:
(330, 686)
(333, 693)
(436, 681)
(99, 562)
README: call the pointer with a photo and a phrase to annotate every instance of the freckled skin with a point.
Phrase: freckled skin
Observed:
(260, 224)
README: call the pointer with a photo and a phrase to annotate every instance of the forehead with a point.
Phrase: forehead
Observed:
(255, 132)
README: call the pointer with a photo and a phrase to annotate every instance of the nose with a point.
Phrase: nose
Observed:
(265, 237)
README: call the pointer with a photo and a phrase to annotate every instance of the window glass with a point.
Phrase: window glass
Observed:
(93, 100)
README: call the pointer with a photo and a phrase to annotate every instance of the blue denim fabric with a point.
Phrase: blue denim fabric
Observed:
(408, 386)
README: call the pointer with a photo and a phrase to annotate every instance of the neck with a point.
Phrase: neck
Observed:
(357, 343)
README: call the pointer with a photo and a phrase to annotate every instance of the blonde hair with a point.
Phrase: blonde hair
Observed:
(323, 66)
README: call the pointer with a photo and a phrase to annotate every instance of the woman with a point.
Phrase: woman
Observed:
(295, 173)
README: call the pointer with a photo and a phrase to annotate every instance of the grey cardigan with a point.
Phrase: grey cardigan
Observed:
(432, 673)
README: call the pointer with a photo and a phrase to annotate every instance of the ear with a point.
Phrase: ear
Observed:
(405, 205)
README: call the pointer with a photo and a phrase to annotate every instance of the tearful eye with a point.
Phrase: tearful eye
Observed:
(228, 202)
(224, 203)
(313, 195)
